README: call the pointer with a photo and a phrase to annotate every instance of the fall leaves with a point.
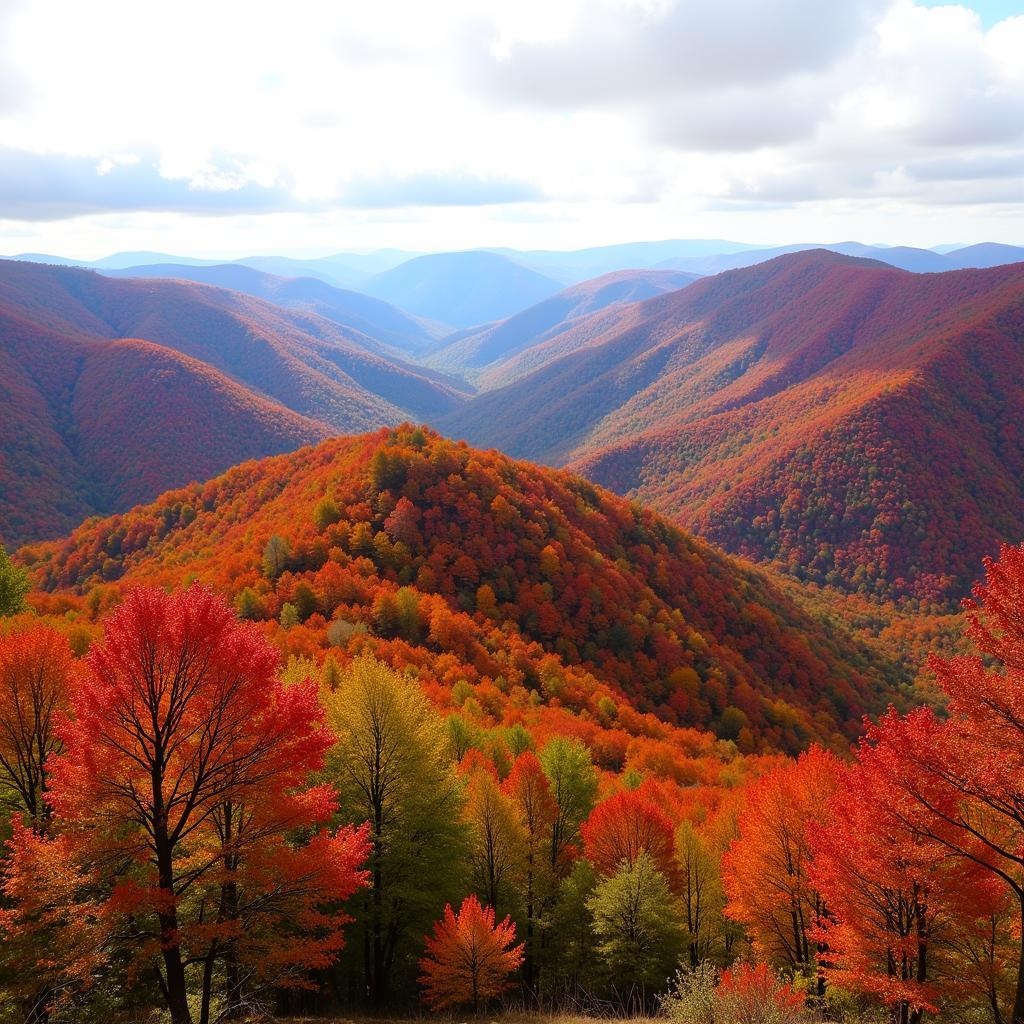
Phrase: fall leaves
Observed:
(183, 774)
(469, 958)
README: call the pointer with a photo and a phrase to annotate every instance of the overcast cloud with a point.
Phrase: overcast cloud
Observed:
(242, 126)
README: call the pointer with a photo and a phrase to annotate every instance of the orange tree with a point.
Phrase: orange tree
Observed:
(35, 673)
(468, 957)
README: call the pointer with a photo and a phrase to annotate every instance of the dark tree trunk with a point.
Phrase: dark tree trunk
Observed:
(176, 990)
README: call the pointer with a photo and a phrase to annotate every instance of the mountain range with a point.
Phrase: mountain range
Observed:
(359, 270)
(849, 423)
(854, 424)
(115, 390)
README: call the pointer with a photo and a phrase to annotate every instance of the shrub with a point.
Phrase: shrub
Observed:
(744, 994)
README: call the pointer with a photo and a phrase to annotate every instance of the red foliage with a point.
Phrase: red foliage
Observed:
(960, 780)
(622, 614)
(896, 902)
(183, 776)
(468, 958)
(753, 993)
(624, 826)
(846, 421)
(220, 378)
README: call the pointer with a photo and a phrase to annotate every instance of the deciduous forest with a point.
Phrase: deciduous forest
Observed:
(392, 724)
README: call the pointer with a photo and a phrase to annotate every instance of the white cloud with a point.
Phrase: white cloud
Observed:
(477, 120)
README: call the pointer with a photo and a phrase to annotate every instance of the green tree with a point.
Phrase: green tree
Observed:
(325, 513)
(275, 557)
(289, 616)
(304, 600)
(570, 959)
(249, 604)
(573, 782)
(391, 768)
(702, 897)
(14, 585)
(639, 938)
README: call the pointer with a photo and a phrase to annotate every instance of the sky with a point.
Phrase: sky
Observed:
(222, 128)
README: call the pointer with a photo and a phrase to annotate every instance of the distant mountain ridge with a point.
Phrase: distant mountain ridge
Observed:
(462, 288)
(373, 317)
(352, 270)
(491, 355)
(855, 424)
(114, 390)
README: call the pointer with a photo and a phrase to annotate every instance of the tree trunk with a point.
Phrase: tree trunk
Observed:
(1018, 1000)
(170, 943)
(174, 970)
(232, 971)
(211, 957)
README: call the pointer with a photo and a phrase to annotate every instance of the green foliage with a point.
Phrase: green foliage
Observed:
(392, 768)
(638, 935)
(462, 737)
(518, 740)
(275, 557)
(325, 513)
(573, 780)
(571, 955)
(691, 996)
(249, 604)
(14, 585)
(304, 600)
(461, 692)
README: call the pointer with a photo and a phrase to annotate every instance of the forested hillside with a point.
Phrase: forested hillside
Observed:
(850, 423)
(526, 589)
(114, 391)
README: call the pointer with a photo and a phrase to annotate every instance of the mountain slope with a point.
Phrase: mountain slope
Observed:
(374, 318)
(91, 425)
(303, 361)
(530, 584)
(462, 288)
(487, 352)
(854, 424)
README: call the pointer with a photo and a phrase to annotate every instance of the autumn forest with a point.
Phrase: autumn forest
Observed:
(473, 551)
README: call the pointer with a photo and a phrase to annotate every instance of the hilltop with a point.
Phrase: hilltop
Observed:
(528, 590)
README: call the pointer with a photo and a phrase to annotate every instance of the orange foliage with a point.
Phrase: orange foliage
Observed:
(766, 871)
(469, 957)
(637, 617)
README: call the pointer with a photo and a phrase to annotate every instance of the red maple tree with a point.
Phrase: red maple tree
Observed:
(895, 901)
(961, 778)
(182, 782)
(624, 826)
